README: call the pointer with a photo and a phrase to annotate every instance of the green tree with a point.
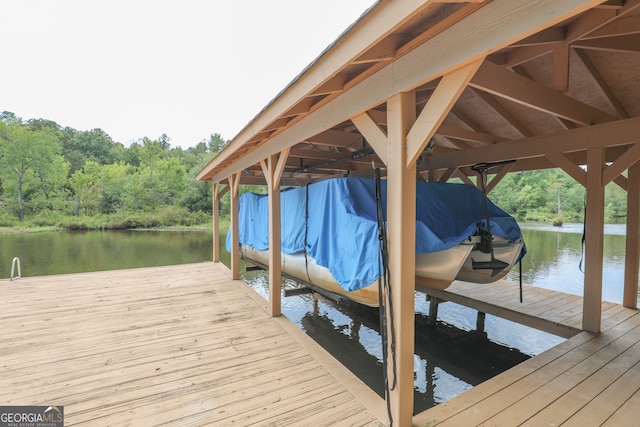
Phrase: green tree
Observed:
(216, 143)
(28, 155)
(95, 145)
(114, 180)
(86, 187)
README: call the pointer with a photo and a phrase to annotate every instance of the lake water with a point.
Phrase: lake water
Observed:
(443, 368)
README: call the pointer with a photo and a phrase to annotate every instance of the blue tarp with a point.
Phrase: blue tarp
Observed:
(342, 228)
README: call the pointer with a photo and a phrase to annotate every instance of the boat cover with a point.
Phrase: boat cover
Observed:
(341, 231)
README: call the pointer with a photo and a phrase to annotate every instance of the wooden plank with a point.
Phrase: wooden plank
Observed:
(568, 378)
(468, 400)
(608, 401)
(181, 345)
(481, 300)
(555, 366)
(574, 399)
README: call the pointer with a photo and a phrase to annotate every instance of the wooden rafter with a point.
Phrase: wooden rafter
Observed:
(601, 84)
(496, 80)
(440, 103)
(622, 132)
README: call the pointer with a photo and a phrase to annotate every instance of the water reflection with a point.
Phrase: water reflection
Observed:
(555, 259)
(450, 357)
(81, 251)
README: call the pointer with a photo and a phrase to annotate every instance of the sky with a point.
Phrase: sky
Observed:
(136, 68)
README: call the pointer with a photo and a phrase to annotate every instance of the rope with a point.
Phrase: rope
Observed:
(306, 230)
(584, 235)
(520, 267)
(384, 286)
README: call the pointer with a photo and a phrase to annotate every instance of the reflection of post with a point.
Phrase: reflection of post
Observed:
(430, 387)
(480, 321)
(433, 310)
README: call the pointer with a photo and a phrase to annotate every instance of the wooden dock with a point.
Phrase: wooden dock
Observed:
(185, 345)
(588, 380)
(179, 345)
(555, 312)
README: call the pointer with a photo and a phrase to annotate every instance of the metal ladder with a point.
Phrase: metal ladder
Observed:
(14, 263)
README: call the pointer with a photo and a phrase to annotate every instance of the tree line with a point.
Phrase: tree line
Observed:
(551, 195)
(54, 175)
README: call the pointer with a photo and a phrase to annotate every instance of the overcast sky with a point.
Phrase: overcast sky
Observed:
(136, 68)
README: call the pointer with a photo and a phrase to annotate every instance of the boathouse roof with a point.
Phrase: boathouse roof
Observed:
(543, 94)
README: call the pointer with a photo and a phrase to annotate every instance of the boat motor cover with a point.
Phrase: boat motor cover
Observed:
(341, 232)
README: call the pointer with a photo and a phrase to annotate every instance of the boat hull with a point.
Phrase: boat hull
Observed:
(436, 270)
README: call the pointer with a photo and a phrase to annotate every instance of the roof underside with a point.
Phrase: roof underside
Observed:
(577, 75)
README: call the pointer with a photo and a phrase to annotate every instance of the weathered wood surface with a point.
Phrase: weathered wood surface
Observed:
(178, 345)
(551, 311)
(590, 379)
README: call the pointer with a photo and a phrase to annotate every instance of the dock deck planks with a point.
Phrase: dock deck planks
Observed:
(178, 345)
(589, 379)
(185, 345)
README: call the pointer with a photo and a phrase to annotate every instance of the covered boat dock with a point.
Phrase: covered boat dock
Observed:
(427, 89)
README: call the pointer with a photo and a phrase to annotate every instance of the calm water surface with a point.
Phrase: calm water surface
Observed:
(443, 367)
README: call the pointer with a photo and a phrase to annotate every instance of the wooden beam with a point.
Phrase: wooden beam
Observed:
(624, 162)
(224, 191)
(272, 169)
(525, 54)
(447, 175)
(560, 67)
(459, 174)
(217, 194)
(373, 134)
(502, 172)
(597, 18)
(601, 84)
(594, 238)
(551, 35)
(621, 132)
(440, 103)
(234, 182)
(492, 27)
(401, 208)
(504, 113)
(215, 207)
(468, 135)
(571, 169)
(629, 43)
(501, 82)
(332, 86)
(632, 252)
(383, 51)
(589, 22)
(619, 27)
(336, 138)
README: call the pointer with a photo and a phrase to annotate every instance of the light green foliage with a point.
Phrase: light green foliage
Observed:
(32, 168)
(47, 170)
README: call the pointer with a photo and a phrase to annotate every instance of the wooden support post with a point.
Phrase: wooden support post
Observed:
(401, 208)
(272, 169)
(234, 183)
(632, 253)
(216, 221)
(594, 235)
(408, 136)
